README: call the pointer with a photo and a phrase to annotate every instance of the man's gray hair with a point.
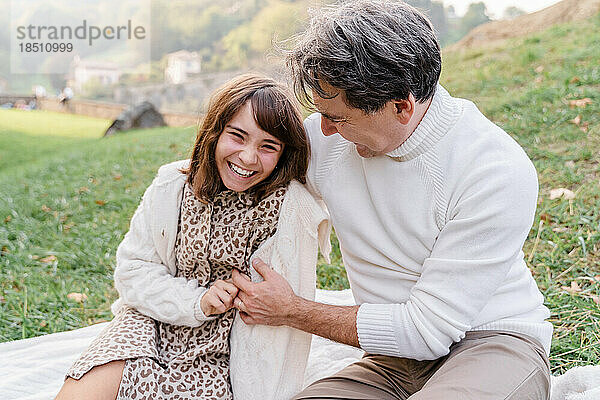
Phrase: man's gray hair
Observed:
(374, 51)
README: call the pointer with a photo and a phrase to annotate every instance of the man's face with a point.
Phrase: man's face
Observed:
(372, 134)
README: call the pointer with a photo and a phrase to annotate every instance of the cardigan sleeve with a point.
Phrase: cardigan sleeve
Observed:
(145, 283)
(475, 250)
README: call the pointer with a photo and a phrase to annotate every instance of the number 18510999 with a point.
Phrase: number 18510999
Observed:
(46, 47)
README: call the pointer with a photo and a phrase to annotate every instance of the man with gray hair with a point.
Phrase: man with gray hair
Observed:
(431, 203)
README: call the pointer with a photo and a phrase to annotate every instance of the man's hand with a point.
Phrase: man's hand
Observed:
(270, 302)
(219, 297)
(273, 302)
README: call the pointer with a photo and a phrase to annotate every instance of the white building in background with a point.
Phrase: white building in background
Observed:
(181, 66)
(83, 71)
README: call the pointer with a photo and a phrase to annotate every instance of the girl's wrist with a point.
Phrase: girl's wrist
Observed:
(200, 309)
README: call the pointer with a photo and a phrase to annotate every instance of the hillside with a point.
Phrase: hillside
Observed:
(559, 13)
(64, 209)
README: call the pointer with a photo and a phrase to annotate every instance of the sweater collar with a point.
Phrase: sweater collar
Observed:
(440, 117)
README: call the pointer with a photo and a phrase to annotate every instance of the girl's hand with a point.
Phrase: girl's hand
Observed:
(219, 297)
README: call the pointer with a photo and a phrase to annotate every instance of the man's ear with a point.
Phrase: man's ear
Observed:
(405, 109)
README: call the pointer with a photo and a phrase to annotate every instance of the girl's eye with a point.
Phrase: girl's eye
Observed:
(237, 135)
(270, 148)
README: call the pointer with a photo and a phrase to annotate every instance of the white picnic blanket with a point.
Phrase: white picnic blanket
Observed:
(33, 369)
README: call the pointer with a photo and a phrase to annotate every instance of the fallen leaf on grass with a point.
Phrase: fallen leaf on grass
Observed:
(43, 324)
(83, 189)
(580, 102)
(575, 79)
(576, 120)
(561, 192)
(100, 202)
(574, 288)
(546, 218)
(45, 208)
(68, 226)
(584, 127)
(7, 219)
(570, 164)
(117, 177)
(539, 69)
(4, 250)
(78, 297)
(560, 229)
(48, 259)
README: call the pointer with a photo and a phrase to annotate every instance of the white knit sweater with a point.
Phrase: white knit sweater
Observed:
(431, 234)
(265, 362)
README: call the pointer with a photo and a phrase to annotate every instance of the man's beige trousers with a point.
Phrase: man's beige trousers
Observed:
(485, 365)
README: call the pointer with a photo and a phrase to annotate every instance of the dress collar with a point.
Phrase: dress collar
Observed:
(246, 198)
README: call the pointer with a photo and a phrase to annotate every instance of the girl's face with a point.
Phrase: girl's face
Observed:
(245, 154)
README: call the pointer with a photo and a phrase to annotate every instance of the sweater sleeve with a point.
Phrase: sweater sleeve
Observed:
(145, 283)
(487, 224)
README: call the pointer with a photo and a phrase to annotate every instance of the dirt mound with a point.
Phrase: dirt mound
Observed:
(565, 11)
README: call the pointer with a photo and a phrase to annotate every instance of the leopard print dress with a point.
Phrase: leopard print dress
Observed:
(165, 361)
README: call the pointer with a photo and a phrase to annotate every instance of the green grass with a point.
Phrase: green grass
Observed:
(29, 136)
(71, 195)
(48, 123)
(73, 203)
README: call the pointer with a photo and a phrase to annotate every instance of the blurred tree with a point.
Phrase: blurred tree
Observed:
(423, 5)
(249, 42)
(439, 19)
(195, 24)
(436, 13)
(4, 36)
(476, 15)
(162, 34)
(512, 12)
(451, 12)
(237, 47)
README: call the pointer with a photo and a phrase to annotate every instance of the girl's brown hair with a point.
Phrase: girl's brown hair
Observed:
(275, 112)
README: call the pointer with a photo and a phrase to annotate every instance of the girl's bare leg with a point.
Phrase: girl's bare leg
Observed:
(99, 383)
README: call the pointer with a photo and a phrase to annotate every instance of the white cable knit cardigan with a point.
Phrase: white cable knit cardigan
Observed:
(265, 362)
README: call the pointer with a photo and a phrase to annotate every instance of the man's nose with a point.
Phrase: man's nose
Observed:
(327, 127)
